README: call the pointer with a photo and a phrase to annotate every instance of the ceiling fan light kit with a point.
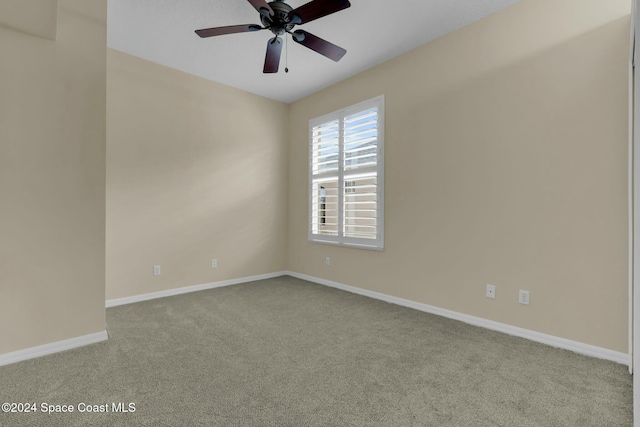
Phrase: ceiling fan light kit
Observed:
(280, 18)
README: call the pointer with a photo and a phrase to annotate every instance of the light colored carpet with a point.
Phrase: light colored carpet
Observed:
(285, 352)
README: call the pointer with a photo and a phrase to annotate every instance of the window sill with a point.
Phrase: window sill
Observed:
(347, 245)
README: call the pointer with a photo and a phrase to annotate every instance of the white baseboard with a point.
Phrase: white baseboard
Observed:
(54, 347)
(177, 291)
(575, 346)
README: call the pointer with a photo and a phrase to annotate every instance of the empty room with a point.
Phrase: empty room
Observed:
(319, 213)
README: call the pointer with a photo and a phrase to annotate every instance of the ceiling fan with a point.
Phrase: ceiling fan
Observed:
(280, 18)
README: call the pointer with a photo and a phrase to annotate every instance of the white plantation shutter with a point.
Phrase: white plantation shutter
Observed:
(325, 165)
(346, 176)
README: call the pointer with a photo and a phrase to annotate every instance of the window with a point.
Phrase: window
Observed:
(346, 176)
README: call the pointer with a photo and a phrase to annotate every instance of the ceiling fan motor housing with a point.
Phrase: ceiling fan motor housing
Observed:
(280, 22)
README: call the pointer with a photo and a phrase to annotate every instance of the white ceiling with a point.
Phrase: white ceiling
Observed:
(372, 31)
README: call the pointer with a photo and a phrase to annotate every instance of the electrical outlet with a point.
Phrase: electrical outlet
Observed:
(214, 263)
(491, 291)
(328, 261)
(156, 270)
(523, 297)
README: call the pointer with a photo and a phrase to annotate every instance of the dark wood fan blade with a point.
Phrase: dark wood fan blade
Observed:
(272, 60)
(232, 29)
(321, 46)
(317, 9)
(262, 6)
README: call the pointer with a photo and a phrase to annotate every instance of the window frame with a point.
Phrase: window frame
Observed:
(340, 240)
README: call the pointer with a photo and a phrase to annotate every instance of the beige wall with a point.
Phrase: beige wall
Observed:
(506, 163)
(52, 179)
(195, 170)
(36, 17)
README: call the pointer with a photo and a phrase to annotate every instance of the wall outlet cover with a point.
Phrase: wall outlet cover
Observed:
(491, 291)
